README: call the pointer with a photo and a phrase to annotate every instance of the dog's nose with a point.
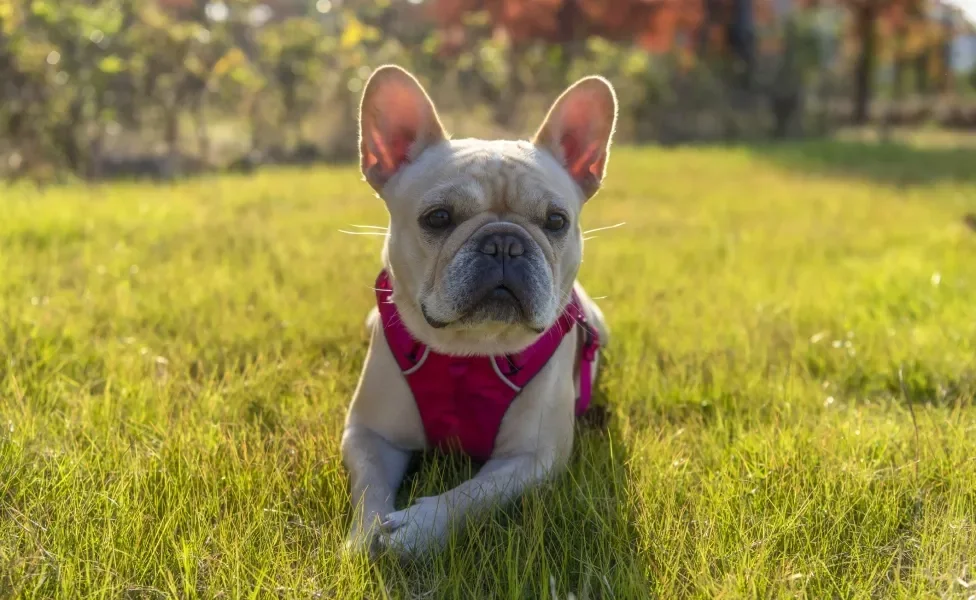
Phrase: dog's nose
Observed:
(502, 246)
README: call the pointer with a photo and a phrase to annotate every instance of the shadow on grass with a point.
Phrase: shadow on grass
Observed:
(574, 535)
(887, 163)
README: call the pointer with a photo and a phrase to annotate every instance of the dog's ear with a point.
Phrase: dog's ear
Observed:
(397, 122)
(578, 129)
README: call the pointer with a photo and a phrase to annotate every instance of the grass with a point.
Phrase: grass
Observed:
(176, 363)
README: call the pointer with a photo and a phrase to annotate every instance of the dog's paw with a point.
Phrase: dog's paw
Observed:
(359, 544)
(415, 530)
(362, 541)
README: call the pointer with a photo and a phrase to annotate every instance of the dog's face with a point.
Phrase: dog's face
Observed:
(484, 241)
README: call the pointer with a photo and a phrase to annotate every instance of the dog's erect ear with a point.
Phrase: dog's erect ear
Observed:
(578, 129)
(397, 122)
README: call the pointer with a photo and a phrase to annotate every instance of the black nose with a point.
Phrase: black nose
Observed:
(502, 246)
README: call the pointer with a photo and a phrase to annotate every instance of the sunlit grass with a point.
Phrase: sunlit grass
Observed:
(176, 363)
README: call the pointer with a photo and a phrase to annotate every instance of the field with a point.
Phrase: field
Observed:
(790, 388)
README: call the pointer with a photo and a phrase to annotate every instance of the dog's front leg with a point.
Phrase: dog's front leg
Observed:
(426, 524)
(376, 468)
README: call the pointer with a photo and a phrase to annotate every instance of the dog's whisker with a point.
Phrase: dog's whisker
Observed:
(377, 233)
(370, 227)
(590, 237)
(565, 300)
(620, 224)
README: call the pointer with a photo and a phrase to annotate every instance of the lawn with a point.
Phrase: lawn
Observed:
(790, 388)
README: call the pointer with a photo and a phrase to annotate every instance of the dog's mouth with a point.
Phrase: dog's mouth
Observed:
(502, 293)
(436, 324)
(499, 304)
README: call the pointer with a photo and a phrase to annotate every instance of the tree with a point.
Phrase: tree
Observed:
(656, 26)
(865, 15)
(718, 28)
(60, 61)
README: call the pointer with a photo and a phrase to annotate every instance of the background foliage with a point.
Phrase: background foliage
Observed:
(163, 87)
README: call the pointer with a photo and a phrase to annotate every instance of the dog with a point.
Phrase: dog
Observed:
(482, 340)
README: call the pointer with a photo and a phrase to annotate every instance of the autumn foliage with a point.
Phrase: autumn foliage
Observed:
(654, 24)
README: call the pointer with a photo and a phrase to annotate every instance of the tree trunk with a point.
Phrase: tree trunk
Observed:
(200, 121)
(865, 17)
(742, 37)
(66, 137)
(786, 86)
(573, 35)
(922, 72)
(171, 129)
(253, 112)
(506, 109)
(704, 30)
(945, 73)
(898, 76)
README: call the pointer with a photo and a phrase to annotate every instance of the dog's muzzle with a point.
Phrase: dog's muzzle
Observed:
(500, 275)
(502, 272)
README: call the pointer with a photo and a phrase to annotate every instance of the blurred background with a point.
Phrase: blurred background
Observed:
(97, 89)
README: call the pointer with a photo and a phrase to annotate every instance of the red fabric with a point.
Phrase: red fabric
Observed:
(462, 400)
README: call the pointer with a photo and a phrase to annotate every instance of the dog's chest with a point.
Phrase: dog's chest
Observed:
(462, 401)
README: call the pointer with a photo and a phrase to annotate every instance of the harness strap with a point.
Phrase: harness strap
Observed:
(591, 345)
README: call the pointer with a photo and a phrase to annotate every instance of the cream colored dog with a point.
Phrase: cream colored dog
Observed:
(482, 254)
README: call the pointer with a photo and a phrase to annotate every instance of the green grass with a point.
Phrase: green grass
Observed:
(176, 363)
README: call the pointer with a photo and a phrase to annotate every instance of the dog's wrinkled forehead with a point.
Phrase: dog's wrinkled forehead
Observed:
(500, 176)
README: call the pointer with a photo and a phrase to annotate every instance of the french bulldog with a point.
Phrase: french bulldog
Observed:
(482, 340)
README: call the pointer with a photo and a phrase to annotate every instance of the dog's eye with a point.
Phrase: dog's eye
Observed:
(555, 222)
(438, 219)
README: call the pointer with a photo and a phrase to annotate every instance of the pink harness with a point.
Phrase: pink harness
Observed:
(462, 400)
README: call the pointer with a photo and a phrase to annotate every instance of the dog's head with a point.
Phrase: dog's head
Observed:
(484, 241)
